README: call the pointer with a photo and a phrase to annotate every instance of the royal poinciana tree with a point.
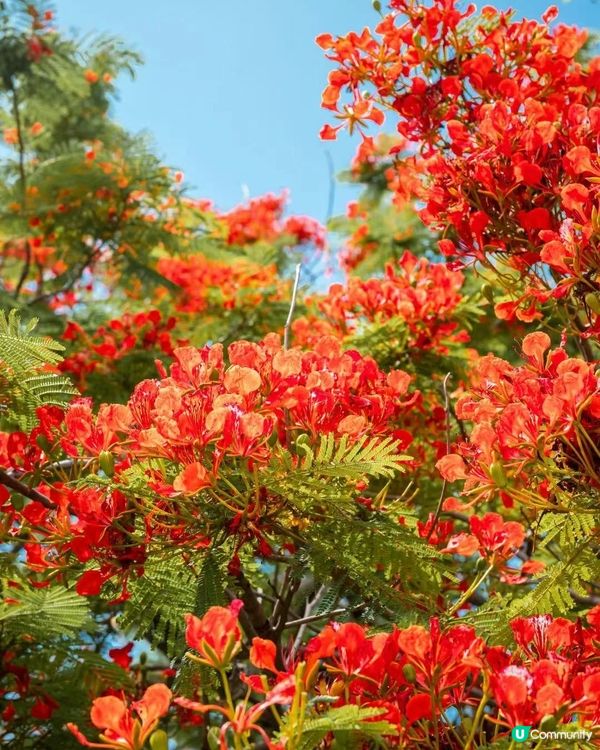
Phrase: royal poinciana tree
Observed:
(239, 512)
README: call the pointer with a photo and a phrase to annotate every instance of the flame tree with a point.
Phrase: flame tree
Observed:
(240, 512)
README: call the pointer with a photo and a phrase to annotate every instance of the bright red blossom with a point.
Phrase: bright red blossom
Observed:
(118, 721)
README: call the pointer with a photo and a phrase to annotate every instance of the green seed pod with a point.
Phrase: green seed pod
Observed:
(592, 300)
(213, 738)
(410, 674)
(159, 740)
(466, 723)
(548, 723)
(497, 474)
(488, 292)
(107, 463)
(377, 6)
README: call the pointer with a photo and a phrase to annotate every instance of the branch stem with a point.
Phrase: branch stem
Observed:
(290, 317)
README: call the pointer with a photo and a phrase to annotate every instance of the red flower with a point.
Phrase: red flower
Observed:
(118, 722)
(263, 654)
(192, 479)
(44, 707)
(216, 636)
(122, 656)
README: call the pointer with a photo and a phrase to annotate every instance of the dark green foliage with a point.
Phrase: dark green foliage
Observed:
(26, 381)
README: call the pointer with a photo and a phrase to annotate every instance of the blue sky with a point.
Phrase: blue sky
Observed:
(230, 90)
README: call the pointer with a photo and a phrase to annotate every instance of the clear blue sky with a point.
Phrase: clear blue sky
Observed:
(230, 90)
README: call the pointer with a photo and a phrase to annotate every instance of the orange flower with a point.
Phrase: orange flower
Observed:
(534, 346)
(353, 424)
(120, 727)
(399, 381)
(242, 380)
(415, 641)
(452, 467)
(216, 636)
(91, 76)
(11, 136)
(491, 536)
(263, 654)
(574, 196)
(193, 478)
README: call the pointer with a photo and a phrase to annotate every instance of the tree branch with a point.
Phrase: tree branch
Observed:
(14, 484)
(315, 618)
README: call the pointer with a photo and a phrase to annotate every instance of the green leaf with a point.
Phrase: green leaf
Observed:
(23, 359)
(350, 725)
(42, 613)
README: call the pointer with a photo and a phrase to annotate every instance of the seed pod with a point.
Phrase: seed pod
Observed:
(592, 300)
(497, 474)
(377, 6)
(410, 674)
(488, 292)
(107, 463)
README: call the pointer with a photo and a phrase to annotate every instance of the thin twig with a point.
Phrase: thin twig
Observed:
(438, 510)
(314, 618)
(332, 183)
(290, 317)
(308, 608)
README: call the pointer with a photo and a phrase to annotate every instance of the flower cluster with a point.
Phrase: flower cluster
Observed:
(114, 340)
(207, 409)
(416, 674)
(261, 219)
(425, 296)
(206, 283)
(207, 419)
(555, 672)
(507, 121)
(414, 679)
(491, 536)
(536, 427)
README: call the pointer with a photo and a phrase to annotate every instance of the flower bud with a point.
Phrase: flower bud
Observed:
(548, 723)
(159, 740)
(106, 462)
(410, 673)
(592, 300)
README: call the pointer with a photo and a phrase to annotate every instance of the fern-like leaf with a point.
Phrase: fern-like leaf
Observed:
(27, 383)
(350, 726)
(43, 613)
